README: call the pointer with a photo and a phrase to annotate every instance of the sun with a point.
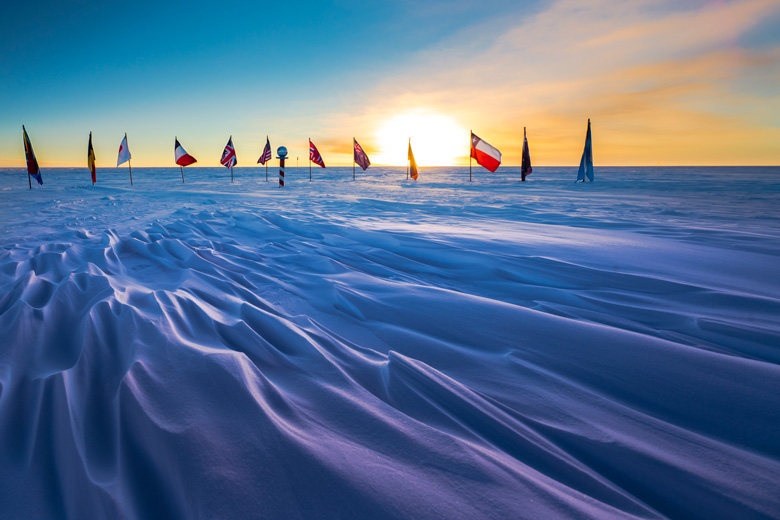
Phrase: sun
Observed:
(437, 140)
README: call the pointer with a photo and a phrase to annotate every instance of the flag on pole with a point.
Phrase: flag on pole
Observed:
(32, 163)
(182, 157)
(485, 154)
(360, 156)
(266, 156)
(526, 169)
(124, 152)
(91, 159)
(314, 155)
(412, 162)
(229, 155)
(586, 163)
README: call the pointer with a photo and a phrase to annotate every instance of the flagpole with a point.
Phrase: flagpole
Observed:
(29, 179)
(129, 165)
(182, 173)
(353, 158)
(471, 132)
(309, 159)
(231, 174)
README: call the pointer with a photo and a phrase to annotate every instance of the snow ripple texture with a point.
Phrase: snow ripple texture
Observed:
(390, 349)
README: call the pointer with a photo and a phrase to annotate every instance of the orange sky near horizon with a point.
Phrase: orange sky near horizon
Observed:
(661, 86)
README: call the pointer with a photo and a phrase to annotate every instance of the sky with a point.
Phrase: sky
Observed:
(683, 82)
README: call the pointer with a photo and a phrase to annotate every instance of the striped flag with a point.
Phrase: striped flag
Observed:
(360, 156)
(266, 156)
(229, 155)
(412, 162)
(182, 157)
(91, 159)
(32, 163)
(314, 155)
(485, 154)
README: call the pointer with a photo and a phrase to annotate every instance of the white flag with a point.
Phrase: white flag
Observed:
(124, 152)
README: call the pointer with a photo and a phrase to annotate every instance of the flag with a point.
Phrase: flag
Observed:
(124, 152)
(182, 157)
(91, 159)
(586, 163)
(229, 155)
(314, 155)
(485, 154)
(526, 169)
(266, 152)
(360, 156)
(32, 162)
(412, 162)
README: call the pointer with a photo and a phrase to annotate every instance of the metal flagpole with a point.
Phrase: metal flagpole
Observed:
(130, 165)
(353, 158)
(182, 173)
(471, 133)
(231, 174)
(407, 159)
(309, 159)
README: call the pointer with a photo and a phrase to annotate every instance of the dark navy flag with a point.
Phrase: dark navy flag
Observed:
(586, 163)
(526, 169)
(360, 156)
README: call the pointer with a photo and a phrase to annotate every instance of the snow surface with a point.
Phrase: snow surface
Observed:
(386, 348)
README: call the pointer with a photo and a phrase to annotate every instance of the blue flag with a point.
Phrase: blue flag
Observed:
(586, 163)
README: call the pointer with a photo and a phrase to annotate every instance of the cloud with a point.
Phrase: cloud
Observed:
(661, 80)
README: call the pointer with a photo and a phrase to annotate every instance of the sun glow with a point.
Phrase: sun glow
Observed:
(437, 140)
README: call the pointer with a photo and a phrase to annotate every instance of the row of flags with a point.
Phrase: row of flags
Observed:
(481, 151)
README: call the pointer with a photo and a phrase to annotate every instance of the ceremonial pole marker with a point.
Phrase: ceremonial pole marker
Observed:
(281, 153)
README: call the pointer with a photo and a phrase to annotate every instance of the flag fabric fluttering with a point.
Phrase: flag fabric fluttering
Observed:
(314, 155)
(182, 157)
(229, 155)
(91, 159)
(124, 152)
(266, 155)
(485, 154)
(33, 170)
(412, 162)
(586, 163)
(525, 169)
(360, 156)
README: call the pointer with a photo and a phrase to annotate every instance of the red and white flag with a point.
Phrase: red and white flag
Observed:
(182, 157)
(124, 152)
(266, 156)
(314, 155)
(485, 154)
(229, 155)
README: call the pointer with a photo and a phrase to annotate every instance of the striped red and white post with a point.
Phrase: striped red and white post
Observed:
(281, 155)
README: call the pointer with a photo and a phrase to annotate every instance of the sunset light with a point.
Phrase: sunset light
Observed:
(437, 140)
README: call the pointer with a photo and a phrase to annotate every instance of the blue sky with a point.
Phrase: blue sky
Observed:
(204, 71)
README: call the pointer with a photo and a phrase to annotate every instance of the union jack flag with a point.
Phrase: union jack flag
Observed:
(266, 152)
(314, 155)
(229, 155)
(360, 156)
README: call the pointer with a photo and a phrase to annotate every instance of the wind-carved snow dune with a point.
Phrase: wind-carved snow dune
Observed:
(356, 350)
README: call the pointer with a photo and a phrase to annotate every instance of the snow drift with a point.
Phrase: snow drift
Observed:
(387, 349)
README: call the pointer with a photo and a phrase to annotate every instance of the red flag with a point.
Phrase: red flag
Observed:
(314, 155)
(360, 156)
(182, 157)
(485, 154)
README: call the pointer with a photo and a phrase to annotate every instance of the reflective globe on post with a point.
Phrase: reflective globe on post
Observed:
(281, 154)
